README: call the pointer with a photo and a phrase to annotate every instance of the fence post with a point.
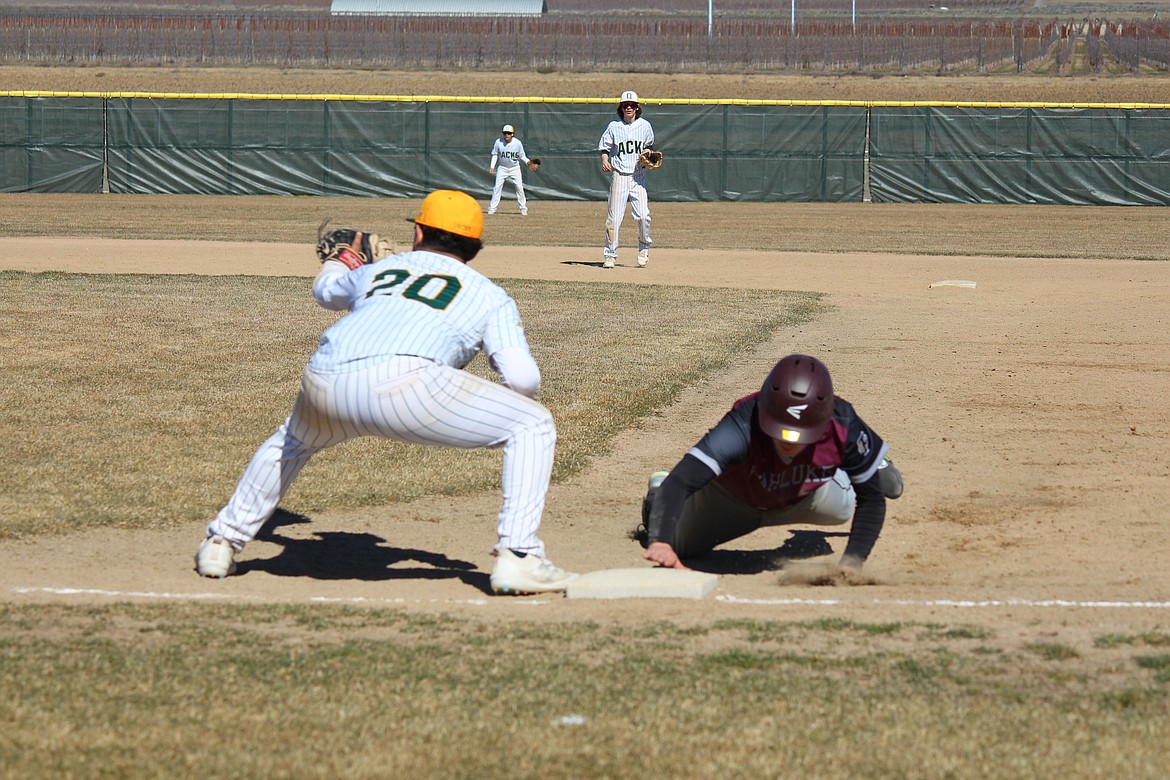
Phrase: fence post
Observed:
(426, 172)
(927, 149)
(866, 194)
(105, 146)
(327, 151)
(723, 165)
(1129, 148)
(1031, 198)
(231, 145)
(824, 153)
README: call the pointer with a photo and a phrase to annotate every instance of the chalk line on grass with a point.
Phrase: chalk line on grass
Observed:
(954, 603)
(725, 599)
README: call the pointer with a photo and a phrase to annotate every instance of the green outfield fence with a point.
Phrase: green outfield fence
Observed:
(391, 146)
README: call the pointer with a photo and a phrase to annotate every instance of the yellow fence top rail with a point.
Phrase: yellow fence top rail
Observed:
(534, 99)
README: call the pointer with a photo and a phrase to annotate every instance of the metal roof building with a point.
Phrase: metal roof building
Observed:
(441, 7)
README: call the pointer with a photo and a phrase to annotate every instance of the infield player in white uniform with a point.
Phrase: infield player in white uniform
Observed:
(622, 142)
(507, 156)
(392, 367)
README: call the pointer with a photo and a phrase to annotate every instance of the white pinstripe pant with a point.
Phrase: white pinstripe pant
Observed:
(623, 189)
(407, 399)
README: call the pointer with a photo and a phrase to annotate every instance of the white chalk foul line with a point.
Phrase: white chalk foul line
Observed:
(365, 600)
(960, 603)
(955, 603)
(235, 597)
(126, 593)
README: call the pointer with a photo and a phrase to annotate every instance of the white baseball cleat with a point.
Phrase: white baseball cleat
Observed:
(643, 257)
(530, 574)
(608, 263)
(216, 558)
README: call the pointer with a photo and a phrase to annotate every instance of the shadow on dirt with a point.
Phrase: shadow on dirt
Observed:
(801, 545)
(593, 263)
(341, 555)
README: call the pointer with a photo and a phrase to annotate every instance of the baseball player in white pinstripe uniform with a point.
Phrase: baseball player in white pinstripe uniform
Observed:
(621, 144)
(392, 367)
(507, 156)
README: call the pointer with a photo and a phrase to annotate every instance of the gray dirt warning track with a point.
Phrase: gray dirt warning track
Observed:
(1027, 414)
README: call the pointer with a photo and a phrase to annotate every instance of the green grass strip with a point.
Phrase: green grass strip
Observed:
(184, 690)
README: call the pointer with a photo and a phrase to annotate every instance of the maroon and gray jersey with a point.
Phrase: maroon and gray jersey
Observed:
(743, 461)
(746, 464)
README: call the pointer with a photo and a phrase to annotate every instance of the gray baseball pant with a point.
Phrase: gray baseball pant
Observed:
(712, 516)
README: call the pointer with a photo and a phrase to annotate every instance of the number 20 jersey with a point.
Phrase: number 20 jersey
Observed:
(415, 303)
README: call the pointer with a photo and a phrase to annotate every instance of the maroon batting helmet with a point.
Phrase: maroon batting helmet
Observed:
(796, 402)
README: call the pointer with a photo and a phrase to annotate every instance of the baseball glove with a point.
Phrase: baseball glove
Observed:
(337, 244)
(534, 164)
(651, 159)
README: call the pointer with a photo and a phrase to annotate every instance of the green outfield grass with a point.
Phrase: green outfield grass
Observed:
(187, 690)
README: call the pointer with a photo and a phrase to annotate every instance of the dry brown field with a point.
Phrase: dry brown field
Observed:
(988, 467)
(1027, 411)
(1154, 88)
(896, 341)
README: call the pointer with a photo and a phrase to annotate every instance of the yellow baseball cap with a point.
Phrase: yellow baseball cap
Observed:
(453, 211)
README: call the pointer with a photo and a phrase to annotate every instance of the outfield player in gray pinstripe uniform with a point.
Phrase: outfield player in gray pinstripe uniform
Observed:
(392, 367)
(507, 156)
(621, 144)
